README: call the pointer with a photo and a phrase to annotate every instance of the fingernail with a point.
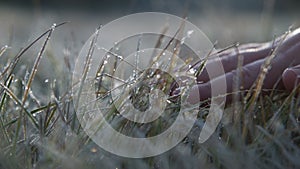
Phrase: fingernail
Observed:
(291, 77)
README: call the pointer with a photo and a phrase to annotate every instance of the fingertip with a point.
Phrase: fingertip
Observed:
(199, 93)
(291, 77)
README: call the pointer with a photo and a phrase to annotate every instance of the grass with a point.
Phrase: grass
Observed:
(261, 132)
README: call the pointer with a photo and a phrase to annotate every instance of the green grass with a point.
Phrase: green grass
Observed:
(39, 129)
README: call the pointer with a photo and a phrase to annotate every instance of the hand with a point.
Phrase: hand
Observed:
(284, 72)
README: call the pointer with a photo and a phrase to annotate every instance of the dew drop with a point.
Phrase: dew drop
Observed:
(120, 57)
(189, 33)
(53, 26)
(93, 150)
(192, 71)
(182, 42)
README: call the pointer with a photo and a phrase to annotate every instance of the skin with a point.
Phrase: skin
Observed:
(284, 72)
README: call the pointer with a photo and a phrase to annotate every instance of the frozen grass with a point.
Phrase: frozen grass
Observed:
(262, 132)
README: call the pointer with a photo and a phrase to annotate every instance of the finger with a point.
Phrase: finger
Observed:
(288, 61)
(251, 53)
(291, 77)
(201, 92)
(286, 56)
(229, 59)
(250, 73)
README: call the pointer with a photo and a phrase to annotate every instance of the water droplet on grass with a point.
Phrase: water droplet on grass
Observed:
(53, 26)
(93, 150)
(189, 33)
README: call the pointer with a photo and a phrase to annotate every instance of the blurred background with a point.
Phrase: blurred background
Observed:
(225, 21)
